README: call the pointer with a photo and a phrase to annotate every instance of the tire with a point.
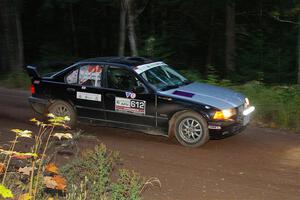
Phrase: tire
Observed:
(61, 108)
(190, 129)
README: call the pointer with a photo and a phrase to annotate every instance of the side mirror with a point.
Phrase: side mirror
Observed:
(139, 89)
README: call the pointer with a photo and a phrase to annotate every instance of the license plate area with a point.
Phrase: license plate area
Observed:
(246, 120)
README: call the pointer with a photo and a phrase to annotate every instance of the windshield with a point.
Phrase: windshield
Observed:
(161, 76)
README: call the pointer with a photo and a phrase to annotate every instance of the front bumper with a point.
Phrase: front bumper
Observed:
(223, 129)
(39, 105)
(226, 131)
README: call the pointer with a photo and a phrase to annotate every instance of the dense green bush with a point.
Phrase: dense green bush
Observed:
(91, 177)
(128, 186)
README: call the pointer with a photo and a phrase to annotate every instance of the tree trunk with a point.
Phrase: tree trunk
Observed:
(11, 40)
(131, 27)
(3, 36)
(122, 33)
(19, 32)
(73, 28)
(230, 36)
(298, 78)
(210, 43)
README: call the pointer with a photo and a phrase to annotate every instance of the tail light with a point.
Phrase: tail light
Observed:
(32, 89)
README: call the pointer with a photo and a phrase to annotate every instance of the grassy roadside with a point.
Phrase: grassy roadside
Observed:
(16, 79)
(31, 173)
(276, 106)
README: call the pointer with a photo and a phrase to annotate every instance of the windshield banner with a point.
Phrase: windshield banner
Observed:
(141, 68)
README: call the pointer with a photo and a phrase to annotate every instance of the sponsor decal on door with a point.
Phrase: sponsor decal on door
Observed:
(88, 96)
(130, 95)
(130, 105)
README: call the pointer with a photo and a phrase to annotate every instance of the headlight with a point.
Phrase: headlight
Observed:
(224, 114)
(247, 102)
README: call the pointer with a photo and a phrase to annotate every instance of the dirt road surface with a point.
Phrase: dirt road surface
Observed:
(256, 164)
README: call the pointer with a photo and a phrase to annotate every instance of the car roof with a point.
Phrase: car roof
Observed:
(128, 61)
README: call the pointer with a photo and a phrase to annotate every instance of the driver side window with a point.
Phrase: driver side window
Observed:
(122, 79)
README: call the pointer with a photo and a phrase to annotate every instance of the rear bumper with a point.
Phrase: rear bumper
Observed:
(39, 105)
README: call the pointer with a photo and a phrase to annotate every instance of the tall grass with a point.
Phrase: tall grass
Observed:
(276, 106)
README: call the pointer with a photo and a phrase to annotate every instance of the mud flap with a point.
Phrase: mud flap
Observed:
(38, 105)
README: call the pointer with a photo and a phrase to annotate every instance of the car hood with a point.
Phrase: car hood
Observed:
(215, 96)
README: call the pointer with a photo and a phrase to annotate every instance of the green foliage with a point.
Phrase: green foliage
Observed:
(94, 168)
(155, 47)
(183, 33)
(78, 193)
(276, 106)
(128, 186)
(212, 77)
(27, 178)
(149, 48)
(89, 177)
(265, 60)
(192, 75)
(15, 79)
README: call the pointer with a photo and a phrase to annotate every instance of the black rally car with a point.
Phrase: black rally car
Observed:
(135, 92)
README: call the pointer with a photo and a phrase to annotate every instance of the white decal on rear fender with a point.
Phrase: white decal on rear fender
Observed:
(88, 96)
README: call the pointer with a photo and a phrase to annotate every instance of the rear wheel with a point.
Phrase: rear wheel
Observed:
(61, 109)
(191, 129)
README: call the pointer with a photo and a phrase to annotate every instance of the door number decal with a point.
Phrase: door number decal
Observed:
(130, 105)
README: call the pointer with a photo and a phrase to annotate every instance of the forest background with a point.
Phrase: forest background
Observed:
(252, 46)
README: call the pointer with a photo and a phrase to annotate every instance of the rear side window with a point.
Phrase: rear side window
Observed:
(90, 75)
(72, 77)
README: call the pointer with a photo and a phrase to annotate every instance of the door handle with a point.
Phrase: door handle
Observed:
(71, 90)
(110, 95)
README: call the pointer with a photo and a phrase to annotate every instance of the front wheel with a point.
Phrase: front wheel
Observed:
(191, 129)
(62, 109)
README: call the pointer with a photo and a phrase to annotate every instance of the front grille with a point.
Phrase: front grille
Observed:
(240, 110)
